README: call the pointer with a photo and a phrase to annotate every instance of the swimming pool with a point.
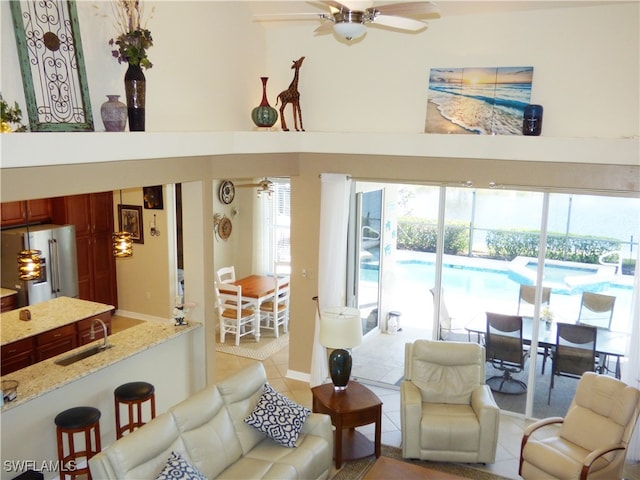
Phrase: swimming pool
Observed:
(479, 281)
(565, 278)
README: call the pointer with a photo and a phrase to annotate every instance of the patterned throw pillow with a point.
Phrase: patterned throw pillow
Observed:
(178, 468)
(278, 417)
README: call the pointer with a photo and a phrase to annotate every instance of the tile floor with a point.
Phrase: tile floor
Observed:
(511, 427)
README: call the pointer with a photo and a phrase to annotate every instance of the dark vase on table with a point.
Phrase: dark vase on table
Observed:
(135, 87)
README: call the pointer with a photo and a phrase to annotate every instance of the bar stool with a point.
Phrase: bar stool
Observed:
(130, 394)
(75, 420)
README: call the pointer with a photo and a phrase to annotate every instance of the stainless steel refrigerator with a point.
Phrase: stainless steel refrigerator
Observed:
(58, 266)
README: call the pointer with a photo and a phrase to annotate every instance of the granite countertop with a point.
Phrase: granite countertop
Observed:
(47, 316)
(46, 376)
(5, 292)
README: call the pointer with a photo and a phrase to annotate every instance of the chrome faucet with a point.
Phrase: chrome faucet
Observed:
(92, 333)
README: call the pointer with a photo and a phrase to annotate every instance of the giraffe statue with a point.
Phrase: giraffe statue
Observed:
(291, 95)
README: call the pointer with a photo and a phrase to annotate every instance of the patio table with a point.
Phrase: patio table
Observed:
(608, 342)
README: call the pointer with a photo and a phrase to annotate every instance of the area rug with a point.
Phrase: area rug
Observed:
(357, 469)
(249, 348)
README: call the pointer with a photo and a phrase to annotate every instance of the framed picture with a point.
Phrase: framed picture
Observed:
(479, 101)
(130, 220)
(153, 197)
(52, 65)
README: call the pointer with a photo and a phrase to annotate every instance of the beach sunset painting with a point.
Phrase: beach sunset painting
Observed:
(482, 101)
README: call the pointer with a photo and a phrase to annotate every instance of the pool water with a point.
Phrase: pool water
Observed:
(465, 280)
(482, 282)
(558, 273)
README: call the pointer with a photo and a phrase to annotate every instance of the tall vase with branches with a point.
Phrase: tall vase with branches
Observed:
(132, 43)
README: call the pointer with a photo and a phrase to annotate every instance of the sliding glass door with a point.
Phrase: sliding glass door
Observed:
(480, 251)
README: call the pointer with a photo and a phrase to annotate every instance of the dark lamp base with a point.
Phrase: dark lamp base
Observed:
(340, 368)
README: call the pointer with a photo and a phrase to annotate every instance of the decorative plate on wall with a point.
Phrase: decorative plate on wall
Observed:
(224, 228)
(227, 192)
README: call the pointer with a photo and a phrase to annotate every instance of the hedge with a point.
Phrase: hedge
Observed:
(574, 248)
(421, 235)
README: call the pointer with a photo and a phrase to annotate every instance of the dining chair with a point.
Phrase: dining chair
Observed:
(596, 309)
(445, 320)
(226, 274)
(506, 352)
(527, 296)
(275, 312)
(574, 352)
(234, 317)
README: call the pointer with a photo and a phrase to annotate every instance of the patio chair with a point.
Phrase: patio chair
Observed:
(596, 309)
(527, 296)
(445, 320)
(574, 353)
(591, 441)
(447, 413)
(506, 352)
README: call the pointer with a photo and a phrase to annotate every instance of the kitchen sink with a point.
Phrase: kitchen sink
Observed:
(89, 352)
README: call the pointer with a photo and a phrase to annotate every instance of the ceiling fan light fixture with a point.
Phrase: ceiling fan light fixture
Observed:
(349, 25)
(349, 31)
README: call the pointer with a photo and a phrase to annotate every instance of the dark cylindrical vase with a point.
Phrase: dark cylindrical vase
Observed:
(532, 123)
(135, 86)
(264, 115)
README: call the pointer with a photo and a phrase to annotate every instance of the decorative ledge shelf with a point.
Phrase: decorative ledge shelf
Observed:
(43, 149)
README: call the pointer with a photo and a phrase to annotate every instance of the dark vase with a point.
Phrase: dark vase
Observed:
(135, 86)
(264, 115)
(532, 123)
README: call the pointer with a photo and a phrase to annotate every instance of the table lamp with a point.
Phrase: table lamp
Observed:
(340, 328)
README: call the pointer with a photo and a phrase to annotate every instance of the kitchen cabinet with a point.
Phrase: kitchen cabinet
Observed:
(92, 215)
(56, 341)
(84, 328)
(8, 302)
(15, 213)
(17, 355)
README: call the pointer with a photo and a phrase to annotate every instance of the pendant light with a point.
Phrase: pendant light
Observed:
(122, 242)
(29, 260)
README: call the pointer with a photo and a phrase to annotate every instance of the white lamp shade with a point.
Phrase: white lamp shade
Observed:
(349, 30)
(340, 327)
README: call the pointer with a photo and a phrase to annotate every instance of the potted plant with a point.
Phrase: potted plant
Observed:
(547, 316)
(132, 44)
(10, 117)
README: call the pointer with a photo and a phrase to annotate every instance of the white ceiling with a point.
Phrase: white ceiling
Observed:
(447, 7)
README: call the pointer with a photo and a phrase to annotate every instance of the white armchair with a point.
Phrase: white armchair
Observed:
(591, 441)
(447, 412)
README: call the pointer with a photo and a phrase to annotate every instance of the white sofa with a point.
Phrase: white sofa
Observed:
(209, 432)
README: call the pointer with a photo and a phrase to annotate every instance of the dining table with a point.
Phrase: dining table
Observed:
(609, 343)
(256, 289)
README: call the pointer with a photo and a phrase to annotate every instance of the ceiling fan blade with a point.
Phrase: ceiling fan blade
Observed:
(283, 17)
(325, 27)
(401, 23)
(409, 8)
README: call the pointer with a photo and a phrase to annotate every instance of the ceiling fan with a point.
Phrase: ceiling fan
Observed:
(350, 18)
(264, 186)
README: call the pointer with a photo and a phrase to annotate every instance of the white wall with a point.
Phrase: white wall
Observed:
(208, 57)
(586, 69)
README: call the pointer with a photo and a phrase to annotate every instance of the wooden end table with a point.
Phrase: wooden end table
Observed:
(354, 407)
